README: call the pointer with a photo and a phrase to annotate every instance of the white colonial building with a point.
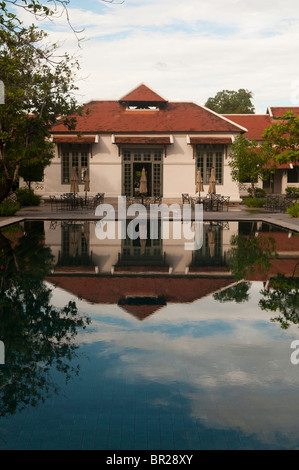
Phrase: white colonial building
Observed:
(115, 140)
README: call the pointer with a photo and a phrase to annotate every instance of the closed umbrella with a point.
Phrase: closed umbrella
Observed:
(199, 183)
(74, 241)
(211, 242)
(143, 235)
(74, 181)
(86, 183)
(143, 182)
(86, 230)
(212, 182)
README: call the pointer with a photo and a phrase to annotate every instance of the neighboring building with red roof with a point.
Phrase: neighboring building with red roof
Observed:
(254, 123)
(115, 140)
(277, 112)
(286, 174)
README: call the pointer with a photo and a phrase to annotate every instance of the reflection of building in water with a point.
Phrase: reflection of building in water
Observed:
(142, 254)
(286, 247)
(143, 275)
(212, 256)
(76, 245)
(73, 253)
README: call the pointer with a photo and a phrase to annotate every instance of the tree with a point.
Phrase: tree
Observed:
(39, 89)
(250, 254)
(231, 102)
(282, 297)
(281, 140)
(249, 162)
(238, 293)
(38, 337)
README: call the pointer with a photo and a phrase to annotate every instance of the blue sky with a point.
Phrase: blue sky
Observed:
(186, 50)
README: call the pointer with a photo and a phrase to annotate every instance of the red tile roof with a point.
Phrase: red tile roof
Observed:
(254, 123)
(279, 111)
(142, 140)
(110, 289)
(210, 140)
(112, 117)
(142, 93)
(74, 139)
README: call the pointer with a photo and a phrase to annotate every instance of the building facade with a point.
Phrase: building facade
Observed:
(115, 140)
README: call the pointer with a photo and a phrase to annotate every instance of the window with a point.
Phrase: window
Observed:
(208, 157)
(293, 175)
(74, 156)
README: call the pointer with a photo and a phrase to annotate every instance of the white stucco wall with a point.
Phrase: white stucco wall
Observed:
(106, 172)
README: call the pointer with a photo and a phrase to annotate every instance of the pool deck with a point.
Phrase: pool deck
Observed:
(235, 213)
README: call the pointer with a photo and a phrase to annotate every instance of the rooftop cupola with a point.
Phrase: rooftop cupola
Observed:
(143, 97)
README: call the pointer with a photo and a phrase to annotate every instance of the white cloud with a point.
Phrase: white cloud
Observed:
(187, 51)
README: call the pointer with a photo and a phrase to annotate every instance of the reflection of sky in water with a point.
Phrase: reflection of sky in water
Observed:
(226, 364)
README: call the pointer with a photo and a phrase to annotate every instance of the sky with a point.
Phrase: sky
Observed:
(185, 50)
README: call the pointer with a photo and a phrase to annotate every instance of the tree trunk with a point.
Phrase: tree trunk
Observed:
(5, 189)
(253, 189)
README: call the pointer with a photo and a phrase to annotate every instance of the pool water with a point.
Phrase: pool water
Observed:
(192, 353)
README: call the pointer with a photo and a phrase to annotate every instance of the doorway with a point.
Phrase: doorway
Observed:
(133, 161)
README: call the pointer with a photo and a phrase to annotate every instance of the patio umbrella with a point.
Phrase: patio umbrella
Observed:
(86, 183)
(199, 183)
(143, 182)
(143, 235)
(211, 242)
(74, 241)
(212, 182)
(86, 231)
(74, 181)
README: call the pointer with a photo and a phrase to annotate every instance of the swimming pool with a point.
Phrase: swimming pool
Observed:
(122, 345)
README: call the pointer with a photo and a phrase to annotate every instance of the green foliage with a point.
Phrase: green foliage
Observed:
(34, 172)
(282, 139)
(293, 210)
(249, 162)
(282, 297)
(39, 337)
(237, 293)
(259, 192)
(254, 201)
(26, 197)
(249, 254)
(39, 87)
(231, 102)
(292, 191)
(8, 207)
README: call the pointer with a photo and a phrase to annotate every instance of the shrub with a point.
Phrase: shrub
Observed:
(254, 201)
(292, 191)
(259, 192)
(26, 197)
(8, 207)
(293, 210)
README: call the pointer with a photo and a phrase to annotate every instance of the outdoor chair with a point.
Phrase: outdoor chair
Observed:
(211, 202)
(157, 199)
(98, 199)
(185, 198)
(65, 201)
(54, 202)
(223, 201)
